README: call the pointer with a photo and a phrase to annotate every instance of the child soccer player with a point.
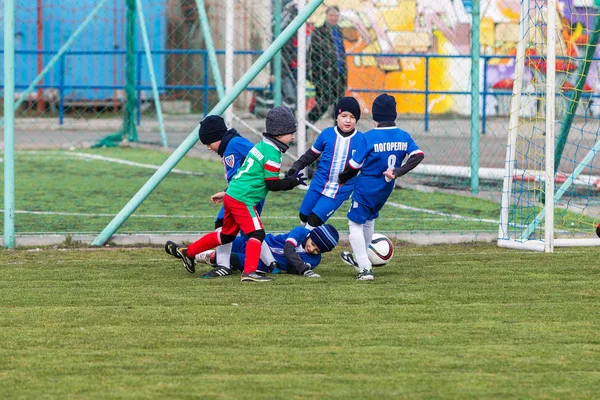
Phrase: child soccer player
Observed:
(258, 175)
(296, 252)
(233, 149)
(379, 160)
(333, 148)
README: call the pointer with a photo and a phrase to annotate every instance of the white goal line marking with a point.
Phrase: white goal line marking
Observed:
(402, 206)
(96, 157)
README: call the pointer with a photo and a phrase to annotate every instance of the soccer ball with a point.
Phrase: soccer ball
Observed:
(380, 250)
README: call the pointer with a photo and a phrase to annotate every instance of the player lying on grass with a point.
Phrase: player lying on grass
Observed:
(296, 252)
(379, 160)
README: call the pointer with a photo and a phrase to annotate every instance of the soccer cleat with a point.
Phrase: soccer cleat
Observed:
(206, 257)
(217, 272)
(188, 263)
(365, 275)
(311, 274)
(171, 249)
(254, 277)
(348, 258)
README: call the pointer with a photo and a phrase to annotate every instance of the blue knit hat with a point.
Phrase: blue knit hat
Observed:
(384, 108)
(325, 237)
(348, 104)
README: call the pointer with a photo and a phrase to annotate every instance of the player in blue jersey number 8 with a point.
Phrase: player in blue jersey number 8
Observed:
(379, 158)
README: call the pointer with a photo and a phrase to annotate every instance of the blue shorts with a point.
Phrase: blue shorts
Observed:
(360, 213)
(321, 205)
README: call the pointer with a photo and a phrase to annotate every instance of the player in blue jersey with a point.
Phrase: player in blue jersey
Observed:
(379, 158)
(333, 148)
(233, 149)
(297, 252)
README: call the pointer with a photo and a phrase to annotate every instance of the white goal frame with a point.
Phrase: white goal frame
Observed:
(522, 240)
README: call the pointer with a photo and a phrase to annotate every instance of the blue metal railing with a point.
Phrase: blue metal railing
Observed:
(206, 88)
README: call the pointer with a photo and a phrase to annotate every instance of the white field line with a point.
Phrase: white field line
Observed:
(87, 156)
(425, 211)
(441, 214)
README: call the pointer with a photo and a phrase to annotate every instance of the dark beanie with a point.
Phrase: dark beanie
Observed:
(325, 237)
(384, 108)
(348, 104)
(212, 129)
(280, 121)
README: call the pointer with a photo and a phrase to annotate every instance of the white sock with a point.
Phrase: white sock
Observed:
(357, 241)
(309, 227)
(368, 229)
(223, 256)
(265, 254)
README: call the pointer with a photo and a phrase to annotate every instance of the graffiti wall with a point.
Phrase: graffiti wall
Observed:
(442, 28)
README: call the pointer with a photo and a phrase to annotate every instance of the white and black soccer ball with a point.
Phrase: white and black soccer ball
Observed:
(381, 250)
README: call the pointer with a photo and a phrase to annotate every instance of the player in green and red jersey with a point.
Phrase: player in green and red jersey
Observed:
(258, 175)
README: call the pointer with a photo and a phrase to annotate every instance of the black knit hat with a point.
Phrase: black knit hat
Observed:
(348, 104)
(384, 108)
(325, 237)
(280, 121)
(212, 129)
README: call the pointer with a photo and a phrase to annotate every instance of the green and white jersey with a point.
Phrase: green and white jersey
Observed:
(262, 163)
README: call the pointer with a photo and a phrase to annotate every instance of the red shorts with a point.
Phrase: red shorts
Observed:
(238, 216)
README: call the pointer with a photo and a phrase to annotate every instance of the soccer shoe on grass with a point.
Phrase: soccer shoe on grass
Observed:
(348, 258)
(254, 277)
(217, 272)
(311, 274)
(171, 249)
(365, 275)
(188, 263)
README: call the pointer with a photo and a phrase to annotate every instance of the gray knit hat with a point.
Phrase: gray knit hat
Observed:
(280, 121)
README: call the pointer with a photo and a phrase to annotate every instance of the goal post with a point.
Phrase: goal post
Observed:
(550, 92)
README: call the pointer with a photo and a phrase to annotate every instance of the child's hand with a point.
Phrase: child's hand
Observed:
(217, 197)
(389, 175)
(299, 178)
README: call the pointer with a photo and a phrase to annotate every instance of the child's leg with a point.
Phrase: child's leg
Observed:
(223, 254)
(206, 242)
(246, 217)
(211, 240)
(368, 229)
(253, 247)
(322, 210)
(357, 217)
(359, 246)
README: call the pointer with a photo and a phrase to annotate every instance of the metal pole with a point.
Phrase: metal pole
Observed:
(513, 123)
(277, 59)
(57, 56)
(229, 58)
(9, 126)
(41, 104)
(301, 84)
(192, 138)
(159, 116)
(550, 128)
(475, 97)
(129, 128)
(210, 46)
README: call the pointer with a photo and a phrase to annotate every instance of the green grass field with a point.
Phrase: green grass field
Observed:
(440, 322)
(73, 192)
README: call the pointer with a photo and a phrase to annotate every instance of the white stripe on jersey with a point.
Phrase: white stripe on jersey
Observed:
(341, 150)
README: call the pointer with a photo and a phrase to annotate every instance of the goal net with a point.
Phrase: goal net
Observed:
(551, 183)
